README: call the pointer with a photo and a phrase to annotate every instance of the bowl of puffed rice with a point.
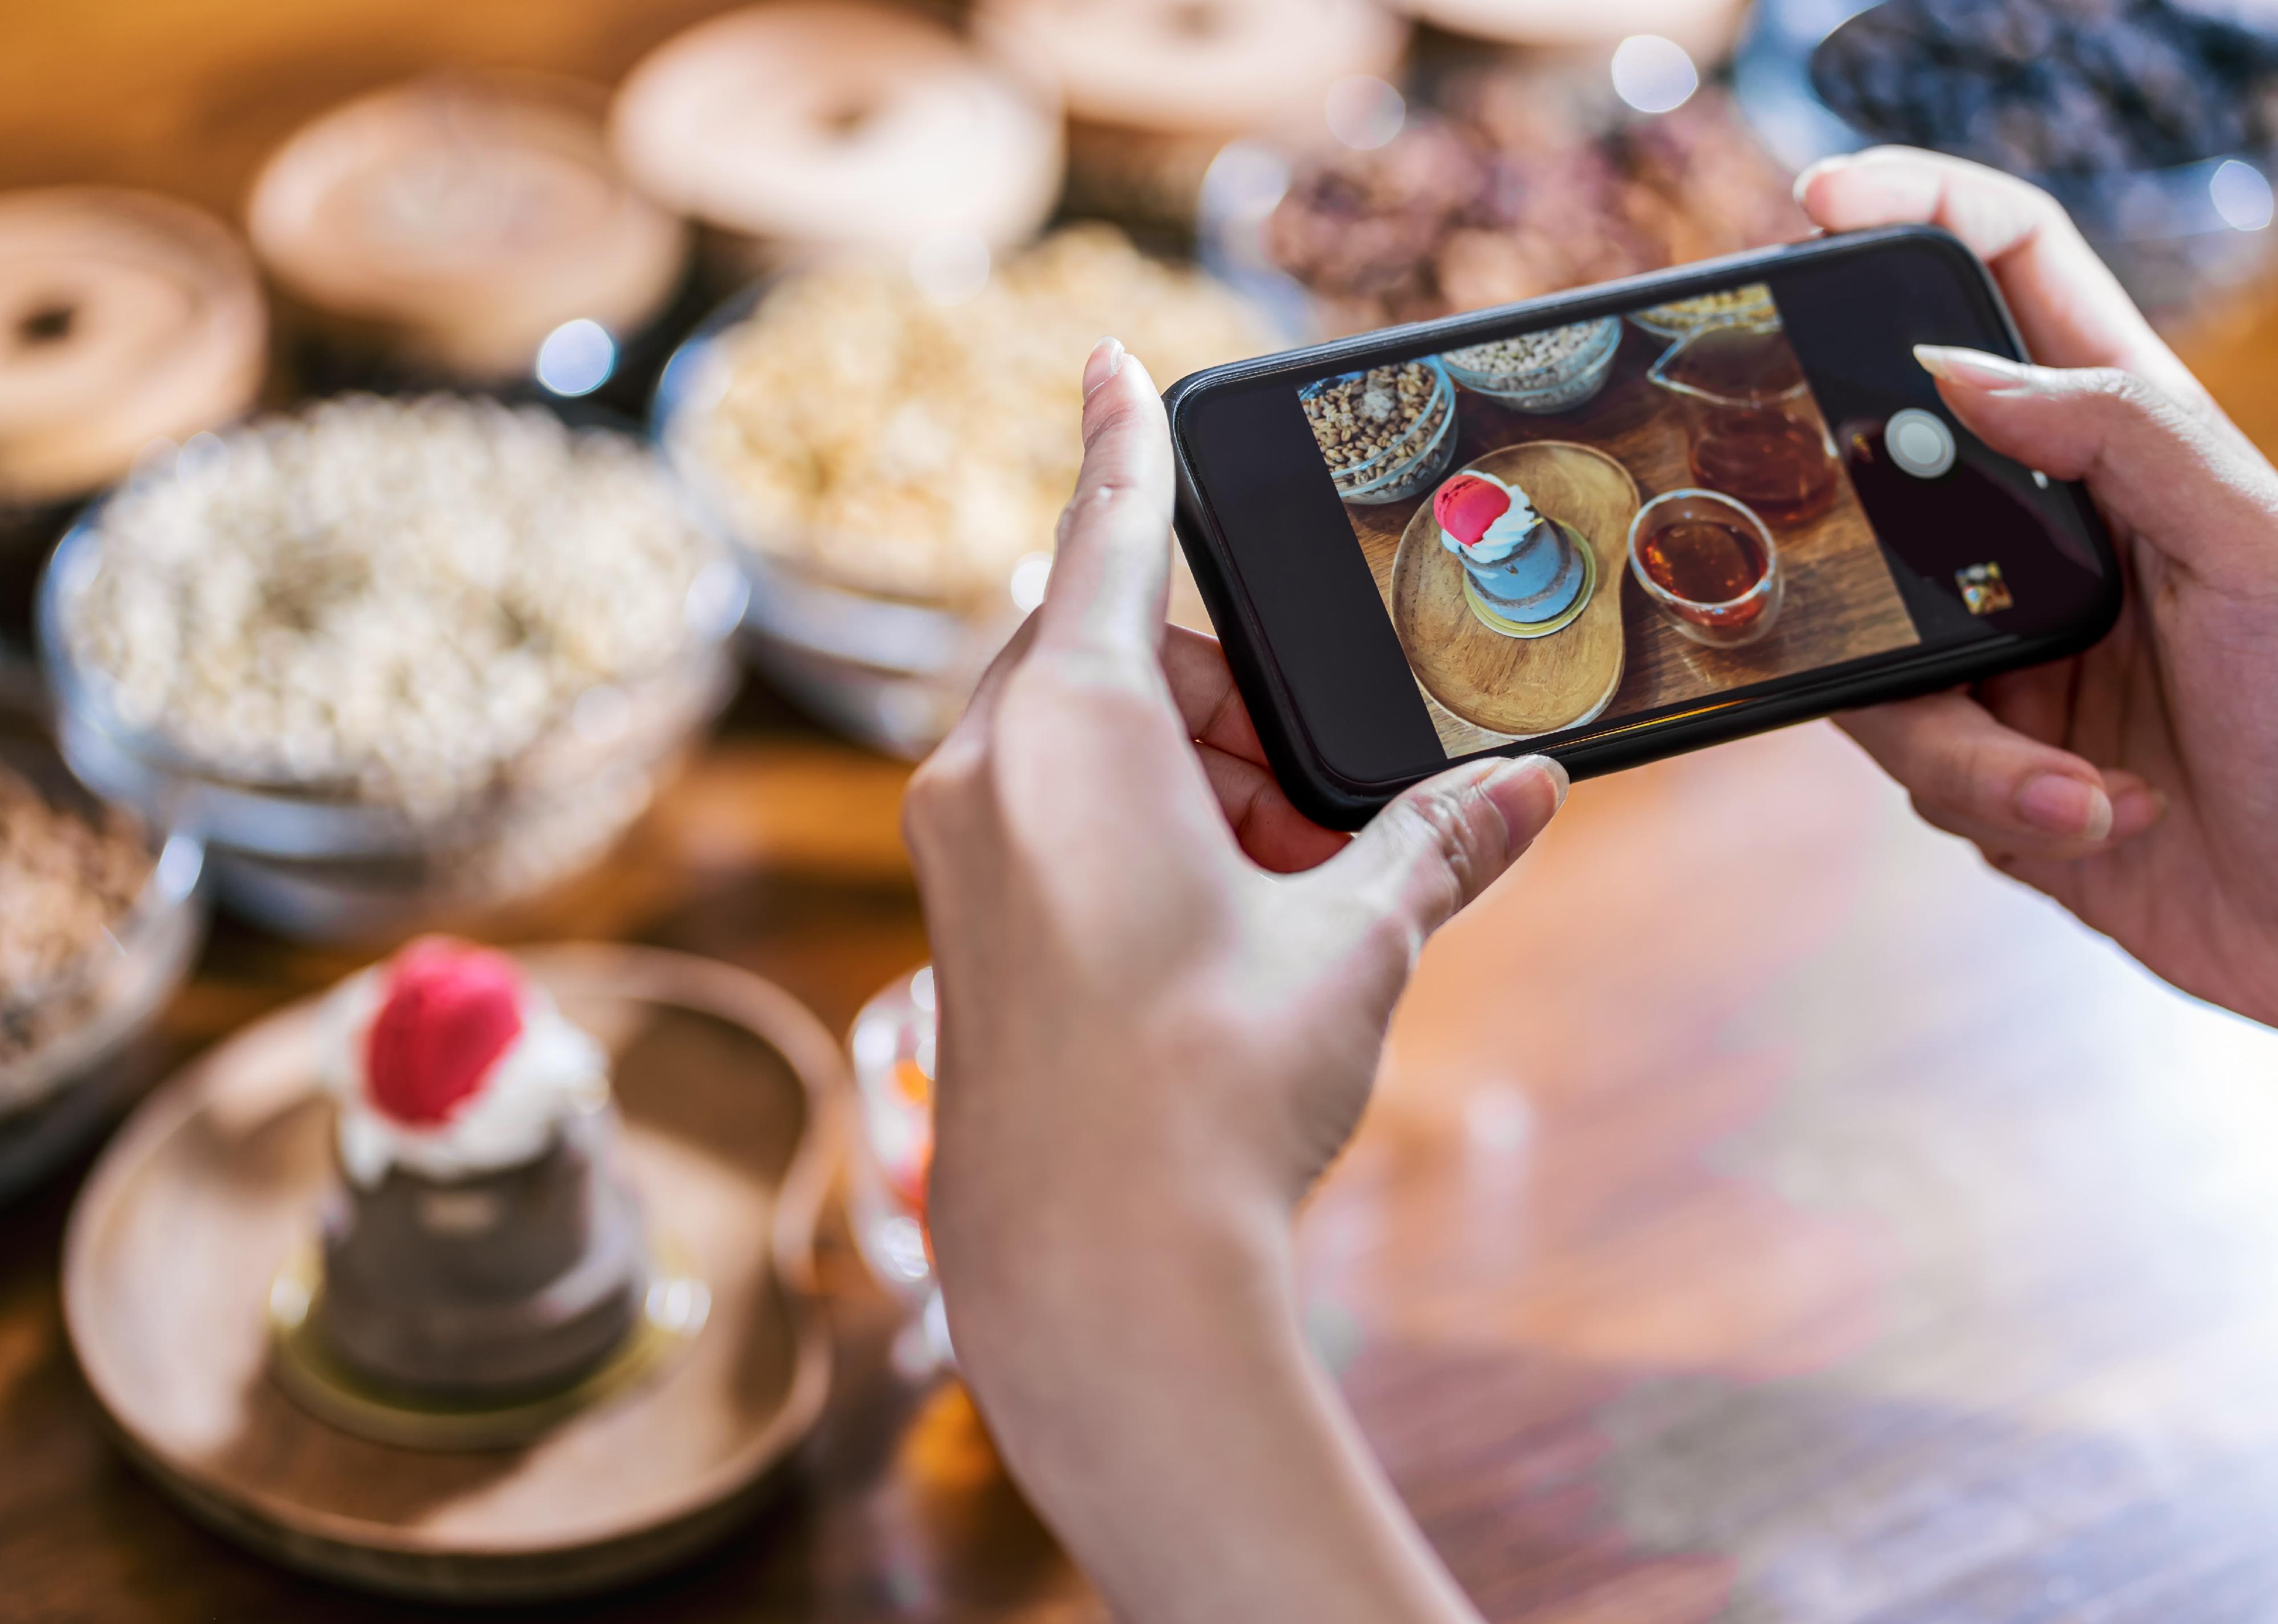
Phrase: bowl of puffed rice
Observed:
(404, 663)
(886, 447)
(103, 916)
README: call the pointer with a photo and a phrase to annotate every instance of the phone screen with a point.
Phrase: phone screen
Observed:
(1573, 529)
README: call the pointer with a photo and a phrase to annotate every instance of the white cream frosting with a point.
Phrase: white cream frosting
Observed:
(553, 1070)
(1501, 537)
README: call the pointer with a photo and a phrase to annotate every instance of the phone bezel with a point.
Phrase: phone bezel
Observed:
(1332, 797)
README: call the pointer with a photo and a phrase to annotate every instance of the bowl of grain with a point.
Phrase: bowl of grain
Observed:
(887, 445)
(404, 664)
(102, 917)
(1554, 370)
(1386, 432)
(1730, 307)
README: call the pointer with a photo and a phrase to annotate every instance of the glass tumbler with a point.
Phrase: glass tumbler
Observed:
(892, 1048)
(1710, 564)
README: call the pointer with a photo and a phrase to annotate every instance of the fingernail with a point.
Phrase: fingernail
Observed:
(1813, 172)
(1974, 368)
(1106, 361)
(2068, 808)
(2134, 811)
(1514, 790)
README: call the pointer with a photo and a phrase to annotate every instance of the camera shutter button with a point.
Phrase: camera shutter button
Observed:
(1919, 442)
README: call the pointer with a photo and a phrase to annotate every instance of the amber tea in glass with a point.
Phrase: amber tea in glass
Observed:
(1707, 563)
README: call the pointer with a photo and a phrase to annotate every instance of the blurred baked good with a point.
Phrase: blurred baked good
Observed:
(463, 219)
(124, 318)
(840, 123)
(1518, 192)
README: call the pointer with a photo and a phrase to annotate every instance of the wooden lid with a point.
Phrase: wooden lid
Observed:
(1705, 27)
(125, 318)
(471, 215)
(1202, 67)
(841, 125)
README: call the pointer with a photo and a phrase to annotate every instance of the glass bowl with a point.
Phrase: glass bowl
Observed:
(1561, 386)
(1668, 568)
(69, 1058)
(1417, 459)
(892, 672)
(1681, 318)
(886, 659)
(318, 862)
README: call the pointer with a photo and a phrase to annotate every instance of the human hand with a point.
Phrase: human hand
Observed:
(2138, 784)
(1150, 1046)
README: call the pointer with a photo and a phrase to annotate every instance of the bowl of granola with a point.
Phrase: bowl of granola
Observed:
(104, 916)
(1386, 432)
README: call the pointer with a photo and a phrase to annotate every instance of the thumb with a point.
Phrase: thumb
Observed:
(1446, 840)
(2183, 481)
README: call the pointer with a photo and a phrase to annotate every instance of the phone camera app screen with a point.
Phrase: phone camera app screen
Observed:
(1629, 514)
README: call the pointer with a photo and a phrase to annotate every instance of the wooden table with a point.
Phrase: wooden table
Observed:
(1767, 1211)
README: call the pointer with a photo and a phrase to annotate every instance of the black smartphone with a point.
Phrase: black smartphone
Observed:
(1624, 522)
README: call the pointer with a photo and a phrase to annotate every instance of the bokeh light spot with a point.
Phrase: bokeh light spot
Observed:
(576, 357)
(2240, 194)
(1653, 74)
(1365, 112)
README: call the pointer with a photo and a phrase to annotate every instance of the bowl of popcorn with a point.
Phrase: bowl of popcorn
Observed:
(1386, 432)
(1554, 370)
(404, 663)
(103, 916)
(888, 445)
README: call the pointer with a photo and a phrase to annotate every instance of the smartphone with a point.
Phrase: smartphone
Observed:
(1624, 522)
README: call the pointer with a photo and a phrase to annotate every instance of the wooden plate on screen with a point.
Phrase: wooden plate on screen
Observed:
(727, 1087)
(1521, 685)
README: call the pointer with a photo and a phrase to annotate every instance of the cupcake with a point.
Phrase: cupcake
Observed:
(1525, 568)
(482, 1244)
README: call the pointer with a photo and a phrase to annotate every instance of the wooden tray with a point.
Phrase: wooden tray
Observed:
(728, 1087)
(1514, 685)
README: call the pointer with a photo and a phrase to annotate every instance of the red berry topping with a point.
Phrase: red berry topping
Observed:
(449, 1011)
(1467, 504)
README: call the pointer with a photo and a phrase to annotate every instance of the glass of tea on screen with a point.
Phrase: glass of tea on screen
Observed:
(1708, 562)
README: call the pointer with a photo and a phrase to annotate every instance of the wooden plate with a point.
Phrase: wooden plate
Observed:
(1521, 686)
(727, 1088)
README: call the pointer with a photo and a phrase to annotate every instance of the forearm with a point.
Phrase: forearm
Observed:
(1172, 1425)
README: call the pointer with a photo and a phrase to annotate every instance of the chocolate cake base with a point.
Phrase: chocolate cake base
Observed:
(493, 1287)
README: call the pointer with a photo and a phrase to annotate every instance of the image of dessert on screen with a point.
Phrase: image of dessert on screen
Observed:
(1606, 518)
